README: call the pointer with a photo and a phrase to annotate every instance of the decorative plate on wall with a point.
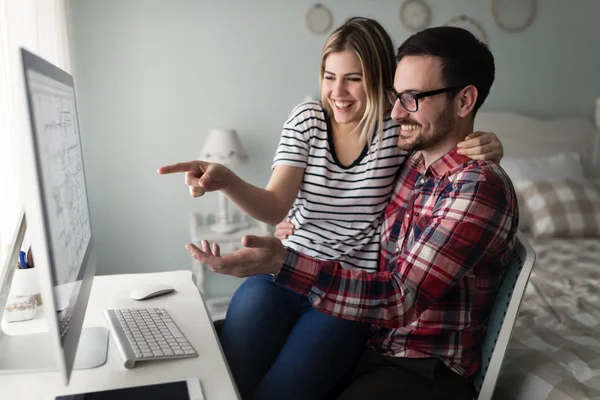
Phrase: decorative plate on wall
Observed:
(318, 19)
(415, 14)
(470, 24)
(513, 15)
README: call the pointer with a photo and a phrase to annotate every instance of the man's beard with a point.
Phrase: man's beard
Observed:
(426, 140)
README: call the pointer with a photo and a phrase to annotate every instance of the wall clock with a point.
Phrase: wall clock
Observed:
(415, 14)
(470, 24)
(513, 15)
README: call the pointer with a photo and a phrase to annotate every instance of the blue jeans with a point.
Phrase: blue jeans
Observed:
(279, 347)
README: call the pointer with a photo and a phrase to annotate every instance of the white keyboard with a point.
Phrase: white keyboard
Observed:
(146, 334)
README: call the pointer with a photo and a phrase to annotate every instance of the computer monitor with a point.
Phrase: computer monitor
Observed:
(58, 226)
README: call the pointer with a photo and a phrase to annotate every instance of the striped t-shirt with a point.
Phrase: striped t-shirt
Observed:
(338, 209)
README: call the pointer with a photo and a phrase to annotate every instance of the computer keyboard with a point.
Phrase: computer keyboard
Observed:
(146, 334)
(63, 325)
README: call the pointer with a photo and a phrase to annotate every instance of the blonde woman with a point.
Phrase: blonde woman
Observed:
(333, 174)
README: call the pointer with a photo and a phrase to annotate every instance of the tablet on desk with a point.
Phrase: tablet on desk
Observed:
(189, 389)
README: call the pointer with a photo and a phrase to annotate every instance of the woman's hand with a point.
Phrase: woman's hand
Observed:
(284, 229)
(200, 176)
(482, 146)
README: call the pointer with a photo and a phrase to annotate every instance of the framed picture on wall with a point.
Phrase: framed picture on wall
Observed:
(415, 14)
(513, 15)
(470, 24)
(318, 19)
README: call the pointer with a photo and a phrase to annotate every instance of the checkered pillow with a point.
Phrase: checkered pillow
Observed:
(524, 217)
(563, 207)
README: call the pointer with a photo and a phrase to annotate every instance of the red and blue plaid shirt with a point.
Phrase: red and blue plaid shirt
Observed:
(446, 238)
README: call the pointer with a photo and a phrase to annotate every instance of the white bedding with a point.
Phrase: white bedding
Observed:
(555, 349)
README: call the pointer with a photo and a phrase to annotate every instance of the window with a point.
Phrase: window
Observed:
(41, 27)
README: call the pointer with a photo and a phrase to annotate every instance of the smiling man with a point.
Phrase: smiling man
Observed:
(446, 236)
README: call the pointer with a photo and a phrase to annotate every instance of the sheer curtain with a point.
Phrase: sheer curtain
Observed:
(41, 27)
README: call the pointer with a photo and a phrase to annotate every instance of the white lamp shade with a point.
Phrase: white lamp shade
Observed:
(223, 146)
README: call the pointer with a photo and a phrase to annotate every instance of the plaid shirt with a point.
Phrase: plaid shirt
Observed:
(446, 237)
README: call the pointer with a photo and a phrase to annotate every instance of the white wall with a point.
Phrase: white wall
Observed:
(154, 76)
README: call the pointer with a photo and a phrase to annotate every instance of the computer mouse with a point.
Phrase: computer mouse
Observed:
(150, 290)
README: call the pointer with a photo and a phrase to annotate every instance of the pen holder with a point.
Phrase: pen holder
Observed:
(25, 283)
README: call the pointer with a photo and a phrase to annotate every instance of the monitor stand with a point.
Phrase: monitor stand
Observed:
(37, 352)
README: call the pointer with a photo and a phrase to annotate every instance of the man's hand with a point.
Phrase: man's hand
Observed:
(283, 230)
(482, 146)
(261, 255)
(200, 176)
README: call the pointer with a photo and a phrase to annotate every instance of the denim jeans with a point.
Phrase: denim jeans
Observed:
(279, 347)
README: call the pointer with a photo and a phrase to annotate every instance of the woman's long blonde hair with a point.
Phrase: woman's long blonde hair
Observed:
(367, 39)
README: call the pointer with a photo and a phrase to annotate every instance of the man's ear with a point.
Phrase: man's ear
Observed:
(466, 100)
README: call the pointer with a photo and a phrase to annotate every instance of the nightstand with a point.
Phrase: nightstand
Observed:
(216, 288)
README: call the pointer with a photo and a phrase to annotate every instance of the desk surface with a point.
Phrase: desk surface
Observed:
(187, 309)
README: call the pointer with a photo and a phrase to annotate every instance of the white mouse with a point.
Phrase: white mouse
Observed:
(150, 290)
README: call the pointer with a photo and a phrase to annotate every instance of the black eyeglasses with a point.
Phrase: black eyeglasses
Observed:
(410, 101)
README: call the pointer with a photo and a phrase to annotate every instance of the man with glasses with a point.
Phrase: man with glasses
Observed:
(447, 235)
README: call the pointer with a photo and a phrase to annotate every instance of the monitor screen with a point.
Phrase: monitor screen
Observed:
(56, 139)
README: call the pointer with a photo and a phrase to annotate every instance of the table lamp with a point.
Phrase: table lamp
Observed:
(223, 146)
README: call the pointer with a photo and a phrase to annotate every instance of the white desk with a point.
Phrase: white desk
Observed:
(187, 309)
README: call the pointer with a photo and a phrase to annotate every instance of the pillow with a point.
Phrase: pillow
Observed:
(524, 216)
(558, 166)
(562, 208)
(524, 170)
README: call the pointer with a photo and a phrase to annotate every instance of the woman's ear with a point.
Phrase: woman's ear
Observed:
(467, 98)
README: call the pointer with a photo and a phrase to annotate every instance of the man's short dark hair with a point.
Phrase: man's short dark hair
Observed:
(465, 60)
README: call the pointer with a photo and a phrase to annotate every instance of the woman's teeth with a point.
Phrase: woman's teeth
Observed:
(342, 104)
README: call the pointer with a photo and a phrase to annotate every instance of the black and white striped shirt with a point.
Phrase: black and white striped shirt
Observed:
(338, 209)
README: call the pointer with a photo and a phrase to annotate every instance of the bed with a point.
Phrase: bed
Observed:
(554, 352)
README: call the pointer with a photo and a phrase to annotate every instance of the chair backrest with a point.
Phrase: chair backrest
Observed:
(503, 317)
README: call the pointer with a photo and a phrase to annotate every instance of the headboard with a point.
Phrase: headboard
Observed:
(524, 136)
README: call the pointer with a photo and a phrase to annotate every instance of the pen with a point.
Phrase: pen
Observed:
(22, 260)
